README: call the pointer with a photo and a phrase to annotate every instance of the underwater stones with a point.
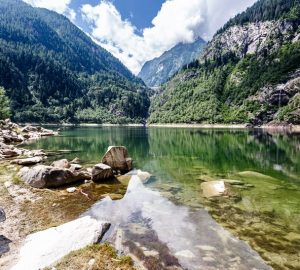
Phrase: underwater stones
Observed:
(44, 248)
(28, 161)
(42, 176)
(213, 188)
(117, 158)
(102, 172)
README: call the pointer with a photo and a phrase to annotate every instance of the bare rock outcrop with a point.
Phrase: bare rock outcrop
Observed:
(102, 172)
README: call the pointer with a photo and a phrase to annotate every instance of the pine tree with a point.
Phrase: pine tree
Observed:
(4, 105)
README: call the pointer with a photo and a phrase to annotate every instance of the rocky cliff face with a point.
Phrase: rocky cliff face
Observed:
(253, 38)
(248, 73)
(159, 70)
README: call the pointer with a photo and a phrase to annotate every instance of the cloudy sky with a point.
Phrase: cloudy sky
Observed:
(136, 31)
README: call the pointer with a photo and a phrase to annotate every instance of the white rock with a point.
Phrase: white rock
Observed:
(71, 189)
(143, 176)
(44, 248)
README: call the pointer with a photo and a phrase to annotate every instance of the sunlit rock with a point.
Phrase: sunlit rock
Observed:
(213, 188)
(62, 164)
(28, 161)
(42, 176)
(117, 158)
(44, 248)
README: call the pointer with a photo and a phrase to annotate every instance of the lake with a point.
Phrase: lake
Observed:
(170, 223)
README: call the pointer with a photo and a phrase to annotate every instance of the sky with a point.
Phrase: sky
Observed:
(136, 31)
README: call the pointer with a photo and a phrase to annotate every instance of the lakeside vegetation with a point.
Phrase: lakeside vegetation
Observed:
(53, 72)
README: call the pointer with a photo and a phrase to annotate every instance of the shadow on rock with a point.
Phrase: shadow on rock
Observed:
(4, 245)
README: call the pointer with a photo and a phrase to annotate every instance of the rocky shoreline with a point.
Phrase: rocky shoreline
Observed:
(27, 184)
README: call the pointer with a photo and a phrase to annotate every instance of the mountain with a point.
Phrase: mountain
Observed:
(248, 73)
(159, 70)
(53, 72)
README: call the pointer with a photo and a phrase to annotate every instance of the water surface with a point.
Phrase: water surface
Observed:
(195, 232)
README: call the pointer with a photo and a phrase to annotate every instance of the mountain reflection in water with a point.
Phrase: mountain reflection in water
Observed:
(164, 235)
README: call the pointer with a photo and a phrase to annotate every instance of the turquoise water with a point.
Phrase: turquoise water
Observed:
(263, 210)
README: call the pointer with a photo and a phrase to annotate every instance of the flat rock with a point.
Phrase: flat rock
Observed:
(117, 158)
(44, 248)
(28, 161)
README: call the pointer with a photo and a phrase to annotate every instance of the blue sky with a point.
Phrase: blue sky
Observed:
(139, 12)
(136, 31)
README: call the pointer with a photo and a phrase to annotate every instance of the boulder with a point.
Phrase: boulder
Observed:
(213, 188)
(42, 176)
(62, 164)
(28, 161)
(117, 158)
(102, 172)
(44, 248)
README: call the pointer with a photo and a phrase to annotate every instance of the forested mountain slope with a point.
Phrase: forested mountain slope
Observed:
(52, 71)
(159, 70)
(248, 73)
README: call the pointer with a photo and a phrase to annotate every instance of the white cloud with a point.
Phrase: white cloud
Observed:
(59, 6)
(177, 21)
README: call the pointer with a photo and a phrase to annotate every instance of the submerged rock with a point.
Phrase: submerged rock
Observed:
(102, 172)
(117, 158)
(42, 176)
(44, 248)
(213, 188)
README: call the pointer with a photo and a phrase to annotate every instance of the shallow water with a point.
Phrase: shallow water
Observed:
(174, 225)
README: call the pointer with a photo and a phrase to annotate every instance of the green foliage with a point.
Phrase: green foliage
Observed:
(4, 105)
(52, 70)
(220, 90)
(266, 10)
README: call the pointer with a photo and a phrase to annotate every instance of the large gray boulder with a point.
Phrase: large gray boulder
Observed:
(41, 176)
(102, 172)
(117, 158)
(44, 248)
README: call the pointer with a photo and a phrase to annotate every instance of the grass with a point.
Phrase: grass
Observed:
(95, 257)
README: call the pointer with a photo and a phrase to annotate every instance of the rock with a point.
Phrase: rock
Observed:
(75, 161)
(213, 188)
(233, 182)
(117, 158)
(143, 176)
(44, 248)
(27, 161)
(71, 189)
(62, 164)
(75, 167)
(2, 215)
(102, 172)
(42, 176)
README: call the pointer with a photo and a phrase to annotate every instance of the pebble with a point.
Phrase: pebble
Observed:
(71, 190)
